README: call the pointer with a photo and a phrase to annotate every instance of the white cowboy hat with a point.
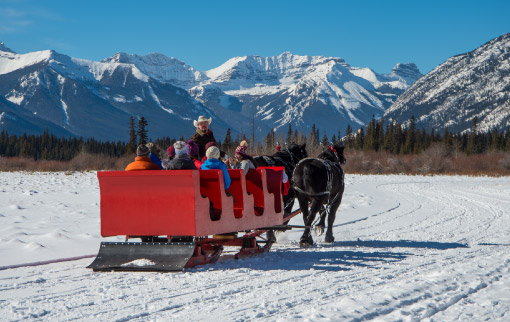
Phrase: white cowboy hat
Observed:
(202, 118)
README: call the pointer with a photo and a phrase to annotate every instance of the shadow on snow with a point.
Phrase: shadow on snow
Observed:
(399, 243)
(323, 258)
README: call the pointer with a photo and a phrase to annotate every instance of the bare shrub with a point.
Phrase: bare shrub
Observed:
(377, 167)
(435, 160)
(505, 161)
(395, 165)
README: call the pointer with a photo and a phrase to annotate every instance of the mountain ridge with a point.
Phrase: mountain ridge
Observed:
(465, 86)
(274, 91)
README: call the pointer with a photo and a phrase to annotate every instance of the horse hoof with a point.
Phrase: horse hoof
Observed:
(270, 235)
(319, 230)
(304, 244)
(329, 239)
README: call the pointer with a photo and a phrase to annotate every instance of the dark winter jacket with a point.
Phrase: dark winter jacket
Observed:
(201, 139)
(181, 162)
(211, 164)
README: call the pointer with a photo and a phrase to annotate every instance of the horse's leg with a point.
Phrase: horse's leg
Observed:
(303, 205)
(331, 219)
(306, 239)
(319, 228)
(288, 204)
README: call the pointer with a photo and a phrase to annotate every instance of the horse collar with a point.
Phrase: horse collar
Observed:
(292, 156)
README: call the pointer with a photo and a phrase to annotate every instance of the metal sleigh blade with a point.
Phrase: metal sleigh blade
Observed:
(118, 256)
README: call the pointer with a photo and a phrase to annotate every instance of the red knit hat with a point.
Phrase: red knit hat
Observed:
(210, 144)
(192, 148)
(170, 152)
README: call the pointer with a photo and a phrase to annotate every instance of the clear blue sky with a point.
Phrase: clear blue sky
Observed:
(204, 34)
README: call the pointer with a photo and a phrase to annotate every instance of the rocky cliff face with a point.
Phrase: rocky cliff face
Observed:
(476, 84)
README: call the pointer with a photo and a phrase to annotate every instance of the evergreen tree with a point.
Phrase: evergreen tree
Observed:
(410, 135)
(507, 139)
(142, 131)
(379, 134)
(290, 138)
(370, 137)
(270, 142)
(325, 141)
(349, 137)
(313, 140)
(360, 139)
(474, 140)
(131, 146)
(227, 143)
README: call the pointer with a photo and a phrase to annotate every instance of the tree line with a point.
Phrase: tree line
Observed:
(376, 136)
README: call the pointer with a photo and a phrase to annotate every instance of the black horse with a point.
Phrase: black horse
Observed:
(287, 158)
(320, 181)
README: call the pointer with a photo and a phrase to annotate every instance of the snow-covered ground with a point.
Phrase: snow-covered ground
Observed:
(408, 248)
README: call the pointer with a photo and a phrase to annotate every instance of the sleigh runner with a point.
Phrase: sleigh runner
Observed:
(185, 217)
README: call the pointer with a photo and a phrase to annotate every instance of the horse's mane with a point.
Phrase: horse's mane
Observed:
(328, 155)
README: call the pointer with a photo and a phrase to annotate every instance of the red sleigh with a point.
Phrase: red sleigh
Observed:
(183, 218)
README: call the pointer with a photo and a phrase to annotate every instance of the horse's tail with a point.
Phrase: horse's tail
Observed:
(307, 179)
(302, 177)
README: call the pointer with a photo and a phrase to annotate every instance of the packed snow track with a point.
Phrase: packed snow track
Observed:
(407, 248)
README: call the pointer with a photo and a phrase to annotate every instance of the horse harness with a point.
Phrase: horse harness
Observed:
(329, 184)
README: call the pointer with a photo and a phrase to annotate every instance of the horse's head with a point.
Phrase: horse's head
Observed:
(298, 150)
(339, 149)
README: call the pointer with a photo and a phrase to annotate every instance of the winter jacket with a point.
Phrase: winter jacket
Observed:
(181, 162)
(155, 159)
(198, 163)
(246, 165)
(211, 164)
(142, 163)
(201, 139)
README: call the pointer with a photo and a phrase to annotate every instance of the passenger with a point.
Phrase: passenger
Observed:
(155, 154)
(212, 162)
(226, 159)
(182, 161)
(142, 160)
(244, 161)
(207, 146)
(203, 134)
(170, 152)
(193, 153)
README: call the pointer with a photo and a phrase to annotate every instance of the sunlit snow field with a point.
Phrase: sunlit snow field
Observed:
(407, 248)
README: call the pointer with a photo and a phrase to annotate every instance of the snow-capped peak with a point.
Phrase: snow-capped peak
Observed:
(161, 67)
(10, 61)
(5, 48)
(408, 70)
(283, 65)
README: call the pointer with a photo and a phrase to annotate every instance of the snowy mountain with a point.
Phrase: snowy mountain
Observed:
(283, 89)
(476, 84)
(79, 97)
(89, 99)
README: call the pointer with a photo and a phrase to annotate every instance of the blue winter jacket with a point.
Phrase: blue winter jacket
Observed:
(154, 158)
(211, 164)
